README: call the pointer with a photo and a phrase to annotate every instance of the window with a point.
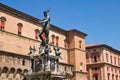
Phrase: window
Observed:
(81, 65)
(94, 50)
(53, 38)
(96, 68)
(111, 58)
(116, 77)
(36, 33)
(65, 68)
(57, 38)
(106, 57)
(115, 70)
(23, 62)
(65, 43)
(87, 57)
(18, 60)
(112, 69)
(118, 62)
(80, 44)
(115, 60)
(108, 76)
(95, 58)
(87, 69)
(113, 77)
(108, 68)
(2, 23)
(20, 25)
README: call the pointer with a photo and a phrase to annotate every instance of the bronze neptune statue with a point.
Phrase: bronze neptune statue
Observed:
(45, 27)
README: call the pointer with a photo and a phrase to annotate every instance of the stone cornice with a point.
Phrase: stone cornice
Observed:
(11, 53)
(77, 32)
(76, 49)
(102, 64)
(79, 72)
(20, 36)
(18, 14)
(66, 64)
(102, 45)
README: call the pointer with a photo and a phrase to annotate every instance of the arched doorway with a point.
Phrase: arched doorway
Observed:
(11, 74)
(18, 74)
(4, 73)
(95, 77)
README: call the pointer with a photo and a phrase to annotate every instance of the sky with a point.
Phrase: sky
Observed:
(100, 19)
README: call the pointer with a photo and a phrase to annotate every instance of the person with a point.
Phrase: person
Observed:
(45, 27)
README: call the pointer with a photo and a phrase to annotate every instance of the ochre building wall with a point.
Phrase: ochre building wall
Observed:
(107, 66)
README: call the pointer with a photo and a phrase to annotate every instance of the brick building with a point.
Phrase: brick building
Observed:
(103, 62)
(19, 31)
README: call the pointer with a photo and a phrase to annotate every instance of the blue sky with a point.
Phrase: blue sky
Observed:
(100, 19)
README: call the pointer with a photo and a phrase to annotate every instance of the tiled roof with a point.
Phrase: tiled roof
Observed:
(88, 46)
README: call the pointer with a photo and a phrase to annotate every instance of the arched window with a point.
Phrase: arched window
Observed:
(36, 33)
(53, 38)
(65, 43)
(108, 76)
(20, 25)
(80, 44)
(57, 38)
(2, 23)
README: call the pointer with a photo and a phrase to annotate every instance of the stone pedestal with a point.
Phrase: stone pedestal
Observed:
(48, 69)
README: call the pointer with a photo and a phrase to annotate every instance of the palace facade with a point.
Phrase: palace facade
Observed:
(103, 62)
(19, 31)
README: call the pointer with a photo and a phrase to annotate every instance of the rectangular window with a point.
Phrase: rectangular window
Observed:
(80, 44)
(95, 58)
(108, 77)
(111, 58)
(113, 77)
(19, 25)
(106, 57)
(115, 60)
(19, 30)
(2, 25)
(36, 35)
(23, 62)
(117, 77)
(57, 38)
(118, 61)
